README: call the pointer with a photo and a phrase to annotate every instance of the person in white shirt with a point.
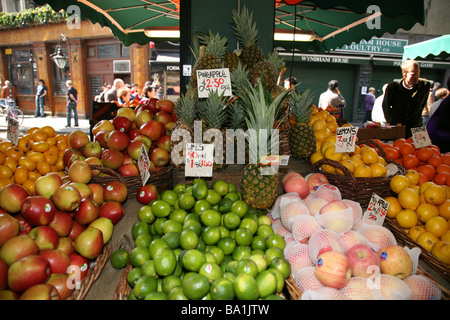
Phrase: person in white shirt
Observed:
(331, 97)
(377, 111)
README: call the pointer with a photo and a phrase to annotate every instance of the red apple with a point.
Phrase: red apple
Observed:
(38, 210)
(112, 210)
(78, 139)
(112, 158)
(315, 180)
(145, 139)
(83, 189)
(87, 211)
(24, 226)
(297, 185)
(68, 154)
(333, 206)
(165, 105)
(395, 261)
(143, 116)
(102, 137)
(45, 237)
(163, 117)
(152, 129)
(67, 198)
(115, 191)
(102, 125)
(159, 156)
(17, 248)
(3, 275)
(147, 193)
(128, 169)
(97, 192)
(169, 126)
(46, 185)
(41, 291)
(79, 267)
(94, 161)
(9, 227)
(92, 149)
(27, 272)
(164, 142)
(362, 258)
(127, 158)
(60, 282)
(77, 228)
(134, 148)
(118, 140)
(133, 133)
(58, 259)
(75, 158)
(62, 223)
(122, 123)
(89, 243)
(66, 245)
(333, 269)
(11, 197)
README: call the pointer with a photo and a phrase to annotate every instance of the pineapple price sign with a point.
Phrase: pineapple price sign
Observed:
(144, 165)
(199, 160)
(346, 139)
(376, 210)
(420, 137)
(214, 79)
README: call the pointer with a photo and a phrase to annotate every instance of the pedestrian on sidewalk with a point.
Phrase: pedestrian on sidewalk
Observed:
(41, 92)
(72, 102)
(9, 93)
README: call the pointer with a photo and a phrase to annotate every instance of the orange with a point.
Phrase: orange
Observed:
(394, 207)
(362, 171)
(369, 155)
(11, 163)
(441, 250)
(441, 178)
(327, 168)
(33, 175)
(437, 226)
(27, 163)
(20, 175)
(319, 124)
(14, 153)
(423, 179)
(38, 135)
(428, 170)
(5, 145)
(435, 161)
(36, 156)
(2, 157)
(356, 159)
(32, 130)
(427, 240)
(413, 176)
(408, 198)
(392, 153)
(29, 186)
(415, 232)
(410, 161)
(49, 131)
(425, 211)
(444, 209)
(399, 142)
(435, 194)
(316, 156)
(348, 164)
(378, 170)
(59, 164)
(4, 182)
(398, 183)
(407, 148)
(62, 145)
(5, 171)
(43, 167)
(382, 160)
(424, 154)
(40, 146)
(406, 219)
(24, 144)
(446, 158)
(51, 157)
(443, 168)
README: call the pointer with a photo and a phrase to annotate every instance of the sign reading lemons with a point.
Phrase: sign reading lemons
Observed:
(346, 139)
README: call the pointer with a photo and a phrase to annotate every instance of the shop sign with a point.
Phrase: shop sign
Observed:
(173, 68)
(346, 139)
(319, 58)
(420, 137)
(377, 45)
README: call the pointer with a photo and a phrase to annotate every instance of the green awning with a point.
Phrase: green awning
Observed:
(429, 49)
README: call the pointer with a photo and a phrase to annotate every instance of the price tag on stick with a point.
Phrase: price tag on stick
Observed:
(346, 139)
(13, 130)
(199, 160)
(144, 165)
(214, 79)
(420, 137)
(377, 209)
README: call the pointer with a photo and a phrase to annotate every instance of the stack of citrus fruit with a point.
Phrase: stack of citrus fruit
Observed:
(37, 153)
(203, 242)
(423, 211)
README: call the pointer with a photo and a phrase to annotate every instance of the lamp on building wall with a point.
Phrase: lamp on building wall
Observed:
(59, 57)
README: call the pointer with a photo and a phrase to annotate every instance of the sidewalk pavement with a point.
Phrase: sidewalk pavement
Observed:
(58, 123)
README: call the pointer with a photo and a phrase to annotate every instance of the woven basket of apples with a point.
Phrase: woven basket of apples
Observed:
(335, 253)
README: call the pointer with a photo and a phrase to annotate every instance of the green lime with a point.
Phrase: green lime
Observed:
(225, 205)
(273, 253)
(234, 196)
(201, 246)
(158, 225)
(195, 286)
(245, 287)
(222, 289)
(243, 237)
(241, 252)
(264, 231)
(220, 186)
(201, 205)
(148, 268)
(170, 282)
(179, 188)
(138, 256)
(260, 261)
(172, 226)
(276, 241)
(282, 265)
(259, 243)
(212, 271)
(273, 297)
(263, 219)
(176, 293)
(218, 253)
(210, 258)
(200, 189)
(169, 196)
(144, 285)
(240, 208)
(131, 296)
(172, 239)
(145, 214)
(232, 188)
(143, 240)
(189, 188)
(156, 296)
(139, 228)
(155, 246)
(247, 266)
(210, 218)
(186, 201)
(267, 283)
(192, 216)
(231, 267)
(178, 215)
(193, 259)
(119, 258)
(194, 225)
(227, 245)
(230, 276)
(211, 235)
(213, 197)
(188, 239)
(224, 232)
(165, 262)
(231, 220)
(161, 208)
(250, 224)
(133, 275)
(280, 278)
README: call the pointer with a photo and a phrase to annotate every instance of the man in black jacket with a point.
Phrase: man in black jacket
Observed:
(404, 100)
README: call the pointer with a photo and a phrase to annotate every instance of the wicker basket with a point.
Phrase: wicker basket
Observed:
(431, 260)
(359, 189)
(92, 274)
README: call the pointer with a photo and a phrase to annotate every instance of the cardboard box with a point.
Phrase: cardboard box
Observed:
(383, 133)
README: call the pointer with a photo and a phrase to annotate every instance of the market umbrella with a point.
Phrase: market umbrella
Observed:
(341, 22)
(127, 19)
(429, 49)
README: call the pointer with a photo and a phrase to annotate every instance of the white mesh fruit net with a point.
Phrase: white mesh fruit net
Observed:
(279, 229)
(414, 253)
(303, 227)
(352, 238)
(393, 288)
(306, 280)
(324, 293)
(359, 288)
(298, 256)
(315, 204)
(379, 236)
(324, 240)
(423, 288)
(338, 221)
(357, 210)
(328, 192)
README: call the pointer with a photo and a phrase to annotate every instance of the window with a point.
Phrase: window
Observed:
(108, 51)
(22, 71)
(60, 76)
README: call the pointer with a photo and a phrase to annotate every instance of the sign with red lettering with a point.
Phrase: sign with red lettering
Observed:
(377, 209)
(144, 165)
(420, 137)
(214, 80)
(13, 131)
(199, 160)
(346, 139)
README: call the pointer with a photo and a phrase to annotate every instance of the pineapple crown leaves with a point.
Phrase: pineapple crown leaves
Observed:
(300, 105)
(211, 43)
(275, 59)
(185, 109)
(245, 29)
(212, 110)
(236, 116)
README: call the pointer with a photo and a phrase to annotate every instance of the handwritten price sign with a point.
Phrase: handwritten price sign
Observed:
(346, 139)
(214, 79)
(377, 209)
(199, 160)
(13, 130)
(144, 165)
(420, 137)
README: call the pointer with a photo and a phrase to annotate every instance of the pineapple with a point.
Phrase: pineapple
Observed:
(302, 141)
(185, 111)
(259, 183)
(267, 70)
(230, 60)
(247, 34)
